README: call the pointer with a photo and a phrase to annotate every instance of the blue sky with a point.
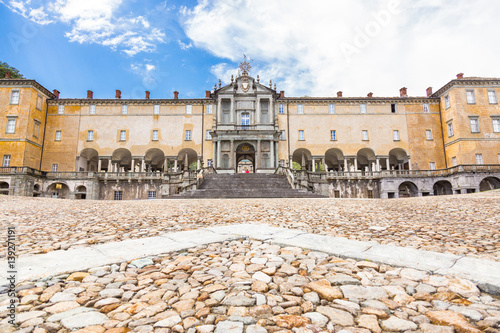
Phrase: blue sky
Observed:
(313, 48)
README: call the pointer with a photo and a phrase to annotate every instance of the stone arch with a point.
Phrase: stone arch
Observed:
(89, 160)
(81, 192)
(4, 188)
(122, 158)
(489, 183)
(303, 158)
(58, 190)
(36, 190)
(398, 159)
(245, 158)
(334, 159)
(154, 159)
(407, 190)
(443, 187)
(186, 158)
(366, 158)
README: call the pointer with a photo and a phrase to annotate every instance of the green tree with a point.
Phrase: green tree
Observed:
(4, 68)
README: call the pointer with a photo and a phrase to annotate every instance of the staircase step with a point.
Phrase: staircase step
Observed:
(251, 185)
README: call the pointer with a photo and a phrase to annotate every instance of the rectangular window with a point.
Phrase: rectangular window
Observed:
(155, 135)
(118, 195)
(474, 124)
(123, 135)
(362, 108)
(6, 161)
(54, 167)
(396, 135)
(281, 108)
(188, 135)
(301, 135)
(60, 109)
(492, 97)
(210, 109)
(36, 129)
(92, 109)
(427, 108)
(11, 126)
(39, 102)
(333, 135)
(454, 161)
(208, 135)
(364, 135)
(450, 128)
(479, 158)
(90, 135)
(58, 136)
(331, 108)
(189, 109)
(393, 108)
(471, 99)
(496, 125)
(151, 194)
(282, 136)
(447, 103)
(156, 109)
(124, 109)
(428, 134)
(300, 109)
(432, 166)
(14, 97)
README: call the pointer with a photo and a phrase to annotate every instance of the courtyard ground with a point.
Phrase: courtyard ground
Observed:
(251, 284)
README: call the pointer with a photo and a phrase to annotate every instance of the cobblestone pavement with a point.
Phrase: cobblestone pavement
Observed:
(254, 287)
(463, 224)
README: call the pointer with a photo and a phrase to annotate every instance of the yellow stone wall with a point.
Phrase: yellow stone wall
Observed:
(24, 145)
(464, 144)
(139, 123)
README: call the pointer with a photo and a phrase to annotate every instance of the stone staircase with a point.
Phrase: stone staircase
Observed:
(245, 185)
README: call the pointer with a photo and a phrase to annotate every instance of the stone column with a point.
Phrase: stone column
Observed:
(387, 164)
(313, 163)
(165, 164)
(378, 164)
(409, 163)
(219, 111)
(198, 164)
(99, 165)
(257, 115)
(186, 161)
(231, 111)
(257, 158)
(323, 164)
(303, 162)
(231, 155)
(143, 165)
(345, 164)
(175, 165)
(219, 148)
(271, 110)
(355, 164)
(214, 147)
(271, 146)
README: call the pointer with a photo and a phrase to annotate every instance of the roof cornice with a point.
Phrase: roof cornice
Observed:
(466, 82)
(26, 82)
(360, 99)
(87, 101)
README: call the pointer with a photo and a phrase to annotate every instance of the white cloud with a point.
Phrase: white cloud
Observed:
(185, 46)
(94, 21)
(357, 46)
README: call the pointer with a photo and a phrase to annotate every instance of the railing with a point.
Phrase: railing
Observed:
(20, 170)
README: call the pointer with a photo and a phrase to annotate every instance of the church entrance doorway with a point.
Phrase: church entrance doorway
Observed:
(245, 158)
